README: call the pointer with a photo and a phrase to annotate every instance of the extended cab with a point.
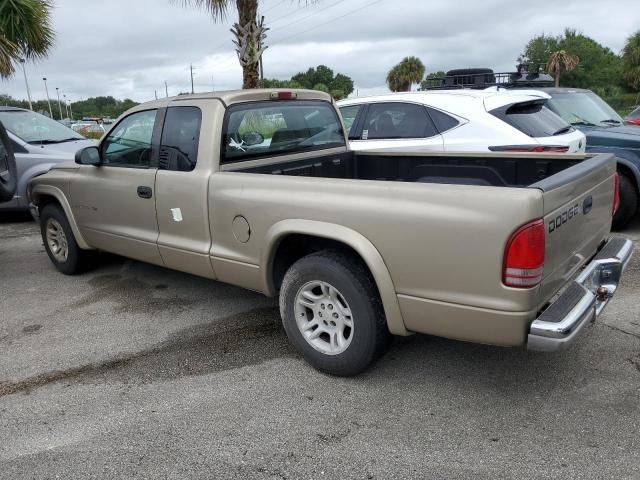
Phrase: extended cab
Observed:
(258, 188)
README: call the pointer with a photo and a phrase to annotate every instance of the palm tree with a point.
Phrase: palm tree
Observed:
(249, 34)
(25, 32)
(409, 71)
(561, 62)
(631, 60)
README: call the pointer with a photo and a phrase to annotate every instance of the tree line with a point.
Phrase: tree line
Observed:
(91, 107)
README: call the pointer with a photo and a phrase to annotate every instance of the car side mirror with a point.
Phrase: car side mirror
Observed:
(8, 176)
(88, 156)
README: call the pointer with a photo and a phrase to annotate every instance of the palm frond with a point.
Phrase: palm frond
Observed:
(27, 25)
(8, 52)
(217, 8)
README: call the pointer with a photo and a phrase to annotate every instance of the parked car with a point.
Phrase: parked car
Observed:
(633, 118)
(583, 109)
(38, 143)
(8, 180)
(606, 133)
(499, 248)
(457, 121)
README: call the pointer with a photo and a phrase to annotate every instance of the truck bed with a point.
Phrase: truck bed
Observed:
(498, 170)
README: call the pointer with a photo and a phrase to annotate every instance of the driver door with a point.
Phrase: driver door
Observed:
(114, 203)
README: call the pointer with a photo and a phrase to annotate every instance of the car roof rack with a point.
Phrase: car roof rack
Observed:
(526, 76)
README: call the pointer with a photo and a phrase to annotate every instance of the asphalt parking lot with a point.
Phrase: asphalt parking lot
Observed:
(133, 371)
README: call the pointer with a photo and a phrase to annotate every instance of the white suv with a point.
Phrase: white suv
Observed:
(458, 121)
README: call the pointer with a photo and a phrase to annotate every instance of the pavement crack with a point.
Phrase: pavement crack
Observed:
(245, 338)
(621, 330)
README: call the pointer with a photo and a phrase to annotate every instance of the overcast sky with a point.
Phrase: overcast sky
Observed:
(128, 48)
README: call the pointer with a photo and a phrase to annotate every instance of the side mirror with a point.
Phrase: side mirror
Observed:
(88, 156)
(252, 138)
(8, 175)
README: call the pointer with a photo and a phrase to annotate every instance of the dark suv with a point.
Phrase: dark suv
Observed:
(606, 132)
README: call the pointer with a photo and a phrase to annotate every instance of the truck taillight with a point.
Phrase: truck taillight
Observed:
(524, 256)
(616, 194)
(282, 95)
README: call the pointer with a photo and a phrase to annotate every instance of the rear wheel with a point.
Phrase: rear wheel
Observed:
(628, 202)
(332, 313)
(60, 244)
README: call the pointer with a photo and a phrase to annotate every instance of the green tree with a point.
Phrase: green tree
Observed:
(25, 32)
(432, 80)
(410, 70)
(561, 62)
(599, 68)
(339, 83)
(631, 62)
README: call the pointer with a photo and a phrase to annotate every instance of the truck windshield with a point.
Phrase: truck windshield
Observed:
(264, 129)
(583, 109)
(32, 127)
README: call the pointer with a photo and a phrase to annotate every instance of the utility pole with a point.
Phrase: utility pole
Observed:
(166, 89)
(70, 110)
(24, 71)
(48, 100)
(191, 69)
(263, 36)
(59, 104)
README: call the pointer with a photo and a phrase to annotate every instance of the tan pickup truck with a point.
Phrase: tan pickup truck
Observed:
(259, 189)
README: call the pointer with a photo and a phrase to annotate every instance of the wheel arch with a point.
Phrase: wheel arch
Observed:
(314, 236)
(42, 195)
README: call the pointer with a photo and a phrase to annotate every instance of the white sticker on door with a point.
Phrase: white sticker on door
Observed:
(177, 214)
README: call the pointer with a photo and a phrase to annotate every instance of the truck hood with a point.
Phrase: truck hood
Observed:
(63, 151)
(621, 136)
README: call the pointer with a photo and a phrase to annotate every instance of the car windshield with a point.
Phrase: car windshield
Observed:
(583, 108)
(32, 127)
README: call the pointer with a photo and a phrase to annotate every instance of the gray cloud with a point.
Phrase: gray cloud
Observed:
(128, 48)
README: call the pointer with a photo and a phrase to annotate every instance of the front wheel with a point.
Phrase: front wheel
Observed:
(628, 203)
(332, 314)
(59, 242)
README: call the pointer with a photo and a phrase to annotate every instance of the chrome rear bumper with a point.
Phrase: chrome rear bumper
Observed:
(559, 325)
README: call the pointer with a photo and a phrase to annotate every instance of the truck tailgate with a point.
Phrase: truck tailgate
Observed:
(578, 206)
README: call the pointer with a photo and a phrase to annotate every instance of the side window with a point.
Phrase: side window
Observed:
(129, 143)
(349, 114)
(180, 135)
(397, 120)
(443, 121)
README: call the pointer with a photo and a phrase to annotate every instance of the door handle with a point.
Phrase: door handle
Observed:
(145, 192)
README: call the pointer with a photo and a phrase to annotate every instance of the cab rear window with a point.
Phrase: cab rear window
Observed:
(266, 129)
(533, 119)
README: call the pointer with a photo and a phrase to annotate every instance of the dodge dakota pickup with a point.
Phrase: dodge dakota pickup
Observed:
(258, 188)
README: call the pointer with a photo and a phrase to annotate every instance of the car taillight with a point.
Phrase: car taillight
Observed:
(524, 256)
(530, 148)
(616, 194)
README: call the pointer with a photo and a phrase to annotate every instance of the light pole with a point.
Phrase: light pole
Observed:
(70, 110)
(24, 71)
(59, 104)
(48, 100)
(66, 105)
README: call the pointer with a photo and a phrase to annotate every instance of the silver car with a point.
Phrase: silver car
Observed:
(38, 143)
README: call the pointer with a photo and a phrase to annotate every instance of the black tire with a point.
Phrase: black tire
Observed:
(370, 336)
(628, 203)
(77, 260)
